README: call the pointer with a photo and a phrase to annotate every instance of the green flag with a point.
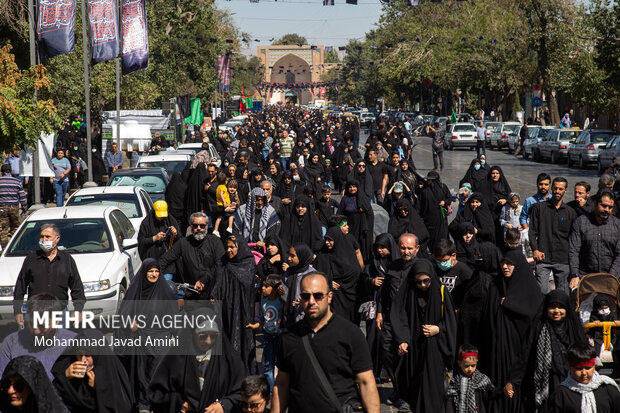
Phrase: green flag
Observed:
(235, 113)
(453, 118)
(197, 117)
(249, 103)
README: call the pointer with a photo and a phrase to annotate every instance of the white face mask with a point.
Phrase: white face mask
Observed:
(46, 246)
(604, 311)
(296, 177)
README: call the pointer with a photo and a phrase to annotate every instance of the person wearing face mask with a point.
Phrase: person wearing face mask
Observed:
(601, 311)
(594, 245)
(98, 166)
(476, 174)
(48, 270)
(200, 252)
(451, 272)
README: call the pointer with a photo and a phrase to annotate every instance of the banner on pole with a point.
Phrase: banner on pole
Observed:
(223, 72)
(55, 27)
(135, 49)
(103, 19)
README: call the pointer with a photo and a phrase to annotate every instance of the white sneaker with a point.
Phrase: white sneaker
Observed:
(216, 233)
(229, 230)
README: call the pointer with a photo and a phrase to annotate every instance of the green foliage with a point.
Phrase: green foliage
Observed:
(331, 57)
(246, 72)
(516, 106)
(291, 39)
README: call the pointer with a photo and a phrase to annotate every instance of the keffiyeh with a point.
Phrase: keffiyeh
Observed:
(588, 403)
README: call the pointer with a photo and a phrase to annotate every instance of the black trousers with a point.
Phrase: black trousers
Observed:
(481, 145)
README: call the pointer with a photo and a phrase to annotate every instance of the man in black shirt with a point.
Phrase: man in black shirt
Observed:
(339, 347)
(550, 225)
(379, 173)
(453, 273)
(48, 270)
(582, 202)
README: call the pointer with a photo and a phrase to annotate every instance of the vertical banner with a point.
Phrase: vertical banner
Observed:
(135, 49)
(55, 27)
(103, 19)
(224, 75)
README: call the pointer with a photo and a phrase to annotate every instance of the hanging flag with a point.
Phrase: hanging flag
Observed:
(135, 49)
(55, 27)
(225, 75)
(103, 19)
(453, 117)
(196, 117)
(184, 106)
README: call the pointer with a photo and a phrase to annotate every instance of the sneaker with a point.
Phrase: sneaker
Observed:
(216, 233)
(402, 406)
(229, 230)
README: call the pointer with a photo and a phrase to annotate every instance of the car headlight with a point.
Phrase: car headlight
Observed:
(91, 287)
(6, 291)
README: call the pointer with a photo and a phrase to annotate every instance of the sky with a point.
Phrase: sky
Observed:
(321, 25)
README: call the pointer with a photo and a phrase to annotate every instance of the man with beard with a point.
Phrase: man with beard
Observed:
(200, 253)
(272, 199)
(256, 220)
(543, 182)
(321, 357)
(397, 273)
(594, 245)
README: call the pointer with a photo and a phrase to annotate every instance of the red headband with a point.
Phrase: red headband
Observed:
(582, 364)
(465, 355)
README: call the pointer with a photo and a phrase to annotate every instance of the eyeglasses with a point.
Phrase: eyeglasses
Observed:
(252, 406)
(361, 166)
(18, 385)
(204, 336)
(425, 281)
(199, 225)
(317, 296)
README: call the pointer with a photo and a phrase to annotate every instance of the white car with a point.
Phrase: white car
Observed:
(171, 162)
(100, 239)
(134, 201)
(462, 134)
(197, 147)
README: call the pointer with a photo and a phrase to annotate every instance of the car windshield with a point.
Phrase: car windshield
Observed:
(77, 236)
(510, 128)
(493, 127)
(170, 166)
(128, 203)
(532, 132)
(194, 149)
(543, 133)
(464, 128)
(152, 184)
(601, 137)
(569, 135)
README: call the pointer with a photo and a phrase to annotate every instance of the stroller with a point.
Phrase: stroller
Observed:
(590, 286)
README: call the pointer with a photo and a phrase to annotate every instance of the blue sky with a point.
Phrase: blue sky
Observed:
(321, 25)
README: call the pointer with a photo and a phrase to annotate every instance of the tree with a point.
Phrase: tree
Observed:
(247, 72)
(22, 118)
(331, 57)
(291, 39)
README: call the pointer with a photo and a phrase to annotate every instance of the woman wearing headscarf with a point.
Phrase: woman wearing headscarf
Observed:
(234, 286)
(26, 388)
(207, 374)
(433, 202)
(156, 235)
(424, 325)
(477, 213)
(404, 173)
(496, 191)
(195, 195)
(92, 379)
(475, 175)
(385, 251)
(559, 328)
(299, 263)
(286, 191)
(406, 219)
(175, 198)
(355, 205)
(98, 165)
(314, 172)
(361, 174)
(151, 297)
(338, 261)
(513, 304)
(302, 225)
(272, 260)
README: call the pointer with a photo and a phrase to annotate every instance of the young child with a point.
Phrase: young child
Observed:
(255, 395)
(509, 217)
(512, 238)
(584, 390)
(602, 311)
(223, 199)
(271, 308)
(469, 389)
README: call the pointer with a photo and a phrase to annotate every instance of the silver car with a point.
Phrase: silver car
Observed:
(585, 150)
(607, 154)
(554, 145)
(535, 134)
(461, 135)
(499, 138)
(514, 139)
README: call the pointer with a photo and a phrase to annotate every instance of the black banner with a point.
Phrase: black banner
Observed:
(103, 19)
(55, 27)
(135, 49)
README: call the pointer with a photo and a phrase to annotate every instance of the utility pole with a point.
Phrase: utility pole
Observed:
(33, 62)
(87, 90)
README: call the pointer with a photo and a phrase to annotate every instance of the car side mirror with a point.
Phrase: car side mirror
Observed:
(129, 243)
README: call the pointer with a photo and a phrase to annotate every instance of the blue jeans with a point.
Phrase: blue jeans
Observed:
(560, 276)
(285, 162)
(265, 155)
(269, 356)
(61, 190)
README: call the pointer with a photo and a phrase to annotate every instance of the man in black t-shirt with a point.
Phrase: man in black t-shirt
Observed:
(379, 172)
(341, 351)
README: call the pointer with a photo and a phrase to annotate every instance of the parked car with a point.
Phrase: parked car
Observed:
(491, 128)
(586, 148)
(499, 137)
(171, 161)
(101, 240)
(514, 139)
(607, 154)
(197, 147)
(462, 134)
(554, 146)
(367, 118)
(535, 135)
(134, 201)
(464, 118)
(152, 180)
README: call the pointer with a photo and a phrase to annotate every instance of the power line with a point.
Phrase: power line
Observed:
(301, 20)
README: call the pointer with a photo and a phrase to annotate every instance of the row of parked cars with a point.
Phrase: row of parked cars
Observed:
(99, 228)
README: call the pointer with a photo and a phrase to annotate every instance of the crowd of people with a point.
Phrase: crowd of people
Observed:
(464, 300)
